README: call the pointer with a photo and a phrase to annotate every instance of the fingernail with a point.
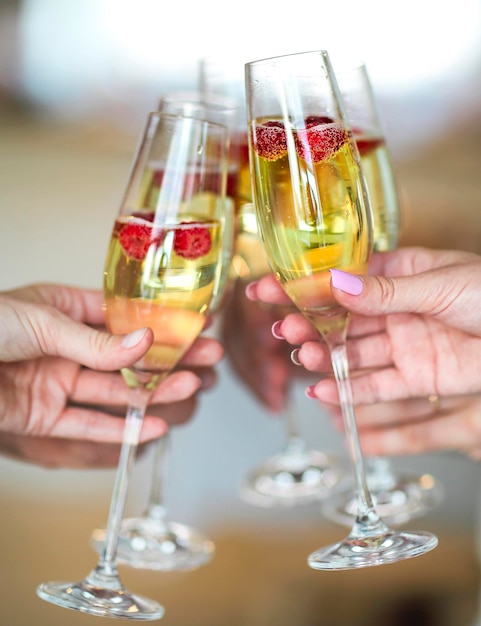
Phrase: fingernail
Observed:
(251, 291)
(310, 392)
(276, 330)
(207, 378)
(132, 339)
(295, 356)
(348, 283)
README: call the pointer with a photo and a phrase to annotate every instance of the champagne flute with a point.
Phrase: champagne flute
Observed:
(296, 475)
(152, 540)
(162, 270)
(219, 110)
(398, 495)
(313, 216)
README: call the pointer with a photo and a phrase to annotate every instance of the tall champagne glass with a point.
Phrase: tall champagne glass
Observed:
(162, 270)
(152, 540)
(223, 110)
(399, 495)
(297, 474)
(313, 215)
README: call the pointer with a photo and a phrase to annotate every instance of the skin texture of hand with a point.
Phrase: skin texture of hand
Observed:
(59, 375)
(415, 332)
(54, 452)
(418, 425)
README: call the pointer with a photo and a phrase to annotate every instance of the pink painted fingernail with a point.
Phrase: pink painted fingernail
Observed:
(310, 392)
(349, 283)
(276, 330)
(251, 291)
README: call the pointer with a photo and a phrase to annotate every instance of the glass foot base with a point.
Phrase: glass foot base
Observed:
(356, 552)
(294, 479)
(146, 544)
(408, 497)
(87, 598)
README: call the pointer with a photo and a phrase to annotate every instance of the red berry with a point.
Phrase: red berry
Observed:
(148, 216)
(320, 142)
(157, 178)
(243, 150)
(315, 120)
(367, 144)
(270, 140)
(136, 239)
(192, 243)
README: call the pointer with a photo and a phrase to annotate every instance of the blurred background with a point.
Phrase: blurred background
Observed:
(76, 81)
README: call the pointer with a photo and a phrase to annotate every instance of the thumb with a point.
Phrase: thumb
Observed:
(31, 330)
(449, 294)
(376, 295)
(434, 292)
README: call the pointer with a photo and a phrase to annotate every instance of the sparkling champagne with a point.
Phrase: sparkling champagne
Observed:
(250, 261)
(314, 215)
(162, 277)
(381, 187)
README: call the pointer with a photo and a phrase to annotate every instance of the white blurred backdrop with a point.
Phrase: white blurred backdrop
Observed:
(77, 78)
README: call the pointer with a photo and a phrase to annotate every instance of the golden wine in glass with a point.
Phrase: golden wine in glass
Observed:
(153, 540)
(297, 474)
(313, 215)
(163, 268)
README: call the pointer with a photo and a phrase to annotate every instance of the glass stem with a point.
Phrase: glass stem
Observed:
(367, 520)
(294, 442)
(105, 574)
(156, 509)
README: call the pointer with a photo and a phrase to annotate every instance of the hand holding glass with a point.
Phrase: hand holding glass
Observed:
(162, 270)
(313, 216)
(399, 495)
(152, 540)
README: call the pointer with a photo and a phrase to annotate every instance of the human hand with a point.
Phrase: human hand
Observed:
(405, 349)
(56, 375)
(56, 452)
(417, 425)
(414, 330)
